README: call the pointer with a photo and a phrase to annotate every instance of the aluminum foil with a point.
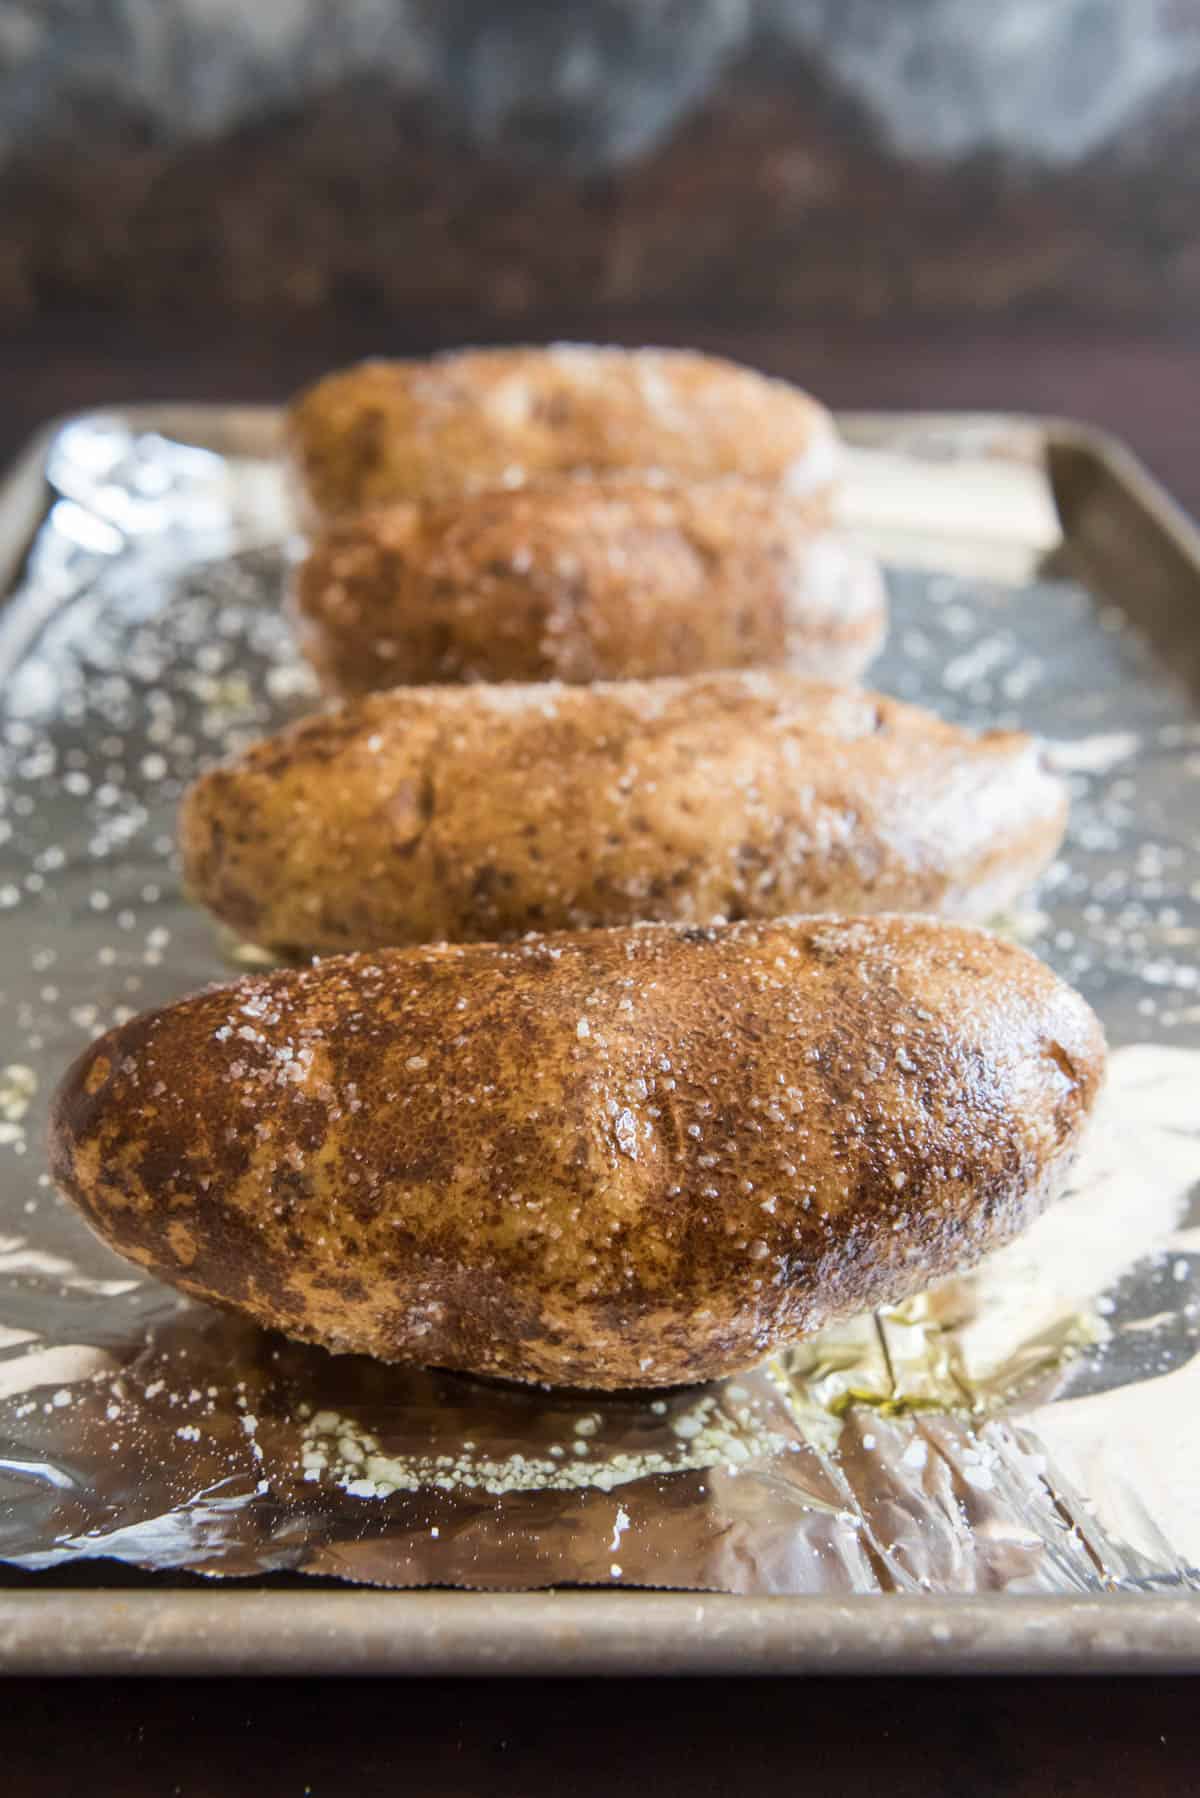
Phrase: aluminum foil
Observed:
(1027, 1428)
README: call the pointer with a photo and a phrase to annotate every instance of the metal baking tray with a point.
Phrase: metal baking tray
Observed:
(999, 498)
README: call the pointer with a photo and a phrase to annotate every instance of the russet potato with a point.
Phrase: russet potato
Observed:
(480, 813)
(620, 1158)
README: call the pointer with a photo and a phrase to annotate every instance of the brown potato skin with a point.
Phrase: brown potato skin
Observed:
(481, 813)
(384, 431)
(620, 1158)
(586, 580)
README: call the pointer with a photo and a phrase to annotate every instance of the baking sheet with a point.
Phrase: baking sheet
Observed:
(1023, 1433)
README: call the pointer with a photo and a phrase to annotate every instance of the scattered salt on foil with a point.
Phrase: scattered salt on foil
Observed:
(129, 664)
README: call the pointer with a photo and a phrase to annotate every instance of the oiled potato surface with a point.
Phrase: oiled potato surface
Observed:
(621, 1158)
(481, 813)
(583, 580)
(387, 430)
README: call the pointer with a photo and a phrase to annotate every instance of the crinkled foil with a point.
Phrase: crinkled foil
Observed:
(1030, 1427)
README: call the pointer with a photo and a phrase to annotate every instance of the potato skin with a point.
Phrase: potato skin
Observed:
(620, 1158)
(384, 431)
(480, 813)
(586, 580)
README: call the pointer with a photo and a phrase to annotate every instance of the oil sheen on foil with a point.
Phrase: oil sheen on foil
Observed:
(1029, 1427)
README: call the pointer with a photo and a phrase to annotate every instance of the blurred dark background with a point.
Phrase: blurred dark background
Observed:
(766, 158)
(902, 203)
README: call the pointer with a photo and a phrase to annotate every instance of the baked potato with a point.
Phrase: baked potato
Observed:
(612, 579)
(480, 813)
(618, 1158)
(385, 431)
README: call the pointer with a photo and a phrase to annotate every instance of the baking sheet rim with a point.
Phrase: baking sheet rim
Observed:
(585, 1632)
(105, 1632)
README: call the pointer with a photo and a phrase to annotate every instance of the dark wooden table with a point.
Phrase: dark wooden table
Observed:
(973, 1739)
(669, 1739)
